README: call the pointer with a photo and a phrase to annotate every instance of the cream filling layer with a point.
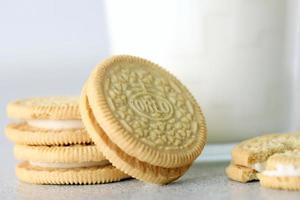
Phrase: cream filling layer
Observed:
(56, 124)
(259, 166)
(283, 170)
(69, 165)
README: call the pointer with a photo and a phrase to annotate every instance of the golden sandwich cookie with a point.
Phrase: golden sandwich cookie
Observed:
(143, 120)
(272, 159)
(85, 175)
(282, 171)
(253, 153)
(74, 164)
(46, 121)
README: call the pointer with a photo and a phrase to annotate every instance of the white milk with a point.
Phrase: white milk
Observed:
(230, 53)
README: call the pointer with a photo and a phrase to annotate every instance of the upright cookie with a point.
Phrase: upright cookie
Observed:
(282, 171)
(142, 119)
(46, 121)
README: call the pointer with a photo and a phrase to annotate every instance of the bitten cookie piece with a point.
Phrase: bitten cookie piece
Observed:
(282, 171)
(144, 121)
(240, 173)
(272, 159)
(253, 153)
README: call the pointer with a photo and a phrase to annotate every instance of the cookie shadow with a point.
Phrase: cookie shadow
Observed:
(203, 171)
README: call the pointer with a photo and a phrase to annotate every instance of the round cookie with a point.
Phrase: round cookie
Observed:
(282, 171)
(59, 154)
(143, 119)
(92, 175)
(46, 121)
(22, 133)
(58, 108)
(240, 173)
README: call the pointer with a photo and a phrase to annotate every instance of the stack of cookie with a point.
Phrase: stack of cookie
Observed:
(53, 144)
(140, 117)
(273, 159)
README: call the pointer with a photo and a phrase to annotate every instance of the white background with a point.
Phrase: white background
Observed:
(48, 47)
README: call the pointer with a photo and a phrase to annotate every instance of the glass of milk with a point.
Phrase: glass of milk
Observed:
(230, 53)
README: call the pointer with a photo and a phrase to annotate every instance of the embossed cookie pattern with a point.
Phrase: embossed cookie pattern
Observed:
(151, 106)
